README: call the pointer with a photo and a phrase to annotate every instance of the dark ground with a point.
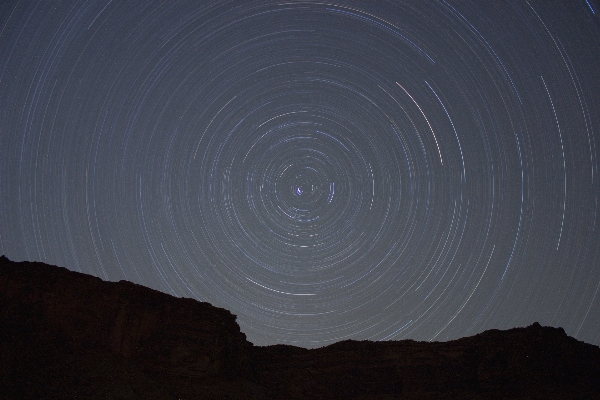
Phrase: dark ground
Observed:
(66, 335)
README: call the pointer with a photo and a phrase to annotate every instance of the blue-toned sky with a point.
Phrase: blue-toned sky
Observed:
(325, 170)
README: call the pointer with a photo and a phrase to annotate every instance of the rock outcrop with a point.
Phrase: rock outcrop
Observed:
(69, 335)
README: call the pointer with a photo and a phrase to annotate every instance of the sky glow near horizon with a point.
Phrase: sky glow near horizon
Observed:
(324, 170)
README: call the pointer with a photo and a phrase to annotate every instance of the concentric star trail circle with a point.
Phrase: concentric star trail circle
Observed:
(324, 170)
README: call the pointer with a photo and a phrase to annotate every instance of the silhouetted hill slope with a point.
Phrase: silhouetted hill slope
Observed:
(69, 335)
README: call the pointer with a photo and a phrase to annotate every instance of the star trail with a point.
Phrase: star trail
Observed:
(373, 170)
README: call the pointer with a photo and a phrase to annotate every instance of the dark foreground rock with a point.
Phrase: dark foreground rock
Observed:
(67, 335)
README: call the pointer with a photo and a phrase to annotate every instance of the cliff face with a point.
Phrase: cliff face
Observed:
(61, 329)
(69, 335)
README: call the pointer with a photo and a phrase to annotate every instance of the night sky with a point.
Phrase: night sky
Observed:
(373, 170)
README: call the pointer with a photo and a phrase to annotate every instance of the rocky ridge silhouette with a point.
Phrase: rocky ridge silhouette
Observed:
(67, 335)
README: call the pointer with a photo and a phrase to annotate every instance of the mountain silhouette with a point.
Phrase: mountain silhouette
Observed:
(68, 335)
